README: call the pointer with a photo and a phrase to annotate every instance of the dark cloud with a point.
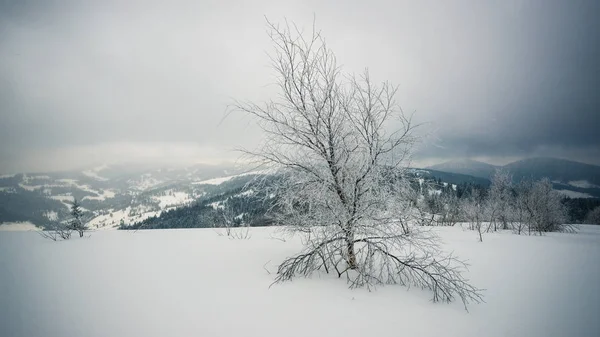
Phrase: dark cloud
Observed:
(139, 79)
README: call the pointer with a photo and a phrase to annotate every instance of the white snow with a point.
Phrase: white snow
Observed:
(245, 193)
(15, 227)
(220, 180)
(574, 194)
(434, 192)
(196, 283)
(93, 173)
(217, 205)
(145, 182)
(4, 176)
(215, 181)
(47, 188)
(30, 188)
(582, 184)
(39, 177)
(172, 198)
(68, 181)
(65, 199)
(106, 194)
(128, 215)
(51, 215)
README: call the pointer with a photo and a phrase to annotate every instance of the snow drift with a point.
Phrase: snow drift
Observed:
(196, 283)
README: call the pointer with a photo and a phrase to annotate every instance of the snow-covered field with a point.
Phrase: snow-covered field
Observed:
(196, 283)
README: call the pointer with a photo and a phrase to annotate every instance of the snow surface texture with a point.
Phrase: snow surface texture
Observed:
(196, 283)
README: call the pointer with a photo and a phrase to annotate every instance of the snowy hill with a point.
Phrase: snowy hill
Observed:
(573, 179)
(110, 195)
(572, 173)
(197, 283)
(466, 167)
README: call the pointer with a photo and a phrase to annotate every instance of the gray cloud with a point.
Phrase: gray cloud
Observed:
(83, 82)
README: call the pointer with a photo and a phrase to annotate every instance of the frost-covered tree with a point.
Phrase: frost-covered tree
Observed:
(451, 212)
(473, 208)
(500, 200)
(593, 217)
(340, 144)
(543, 210)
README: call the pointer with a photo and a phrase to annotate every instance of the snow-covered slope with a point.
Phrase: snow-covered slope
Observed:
(196, 283)
(105, 191)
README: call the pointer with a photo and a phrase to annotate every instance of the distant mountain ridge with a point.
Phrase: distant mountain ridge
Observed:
(112, 195)
(555, 169)
(578, 178)
(467, 167)
(109, 194)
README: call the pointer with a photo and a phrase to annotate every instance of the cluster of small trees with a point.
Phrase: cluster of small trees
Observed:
(530, 207)
(64, 230)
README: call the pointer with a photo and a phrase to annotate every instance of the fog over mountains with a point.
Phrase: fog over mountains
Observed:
(582, 179)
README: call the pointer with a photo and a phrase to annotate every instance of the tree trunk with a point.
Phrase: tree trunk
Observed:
(350, 249)
(351, 255)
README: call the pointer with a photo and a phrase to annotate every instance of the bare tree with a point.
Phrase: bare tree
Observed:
(520, 214)
(340, 144)
(474, 209)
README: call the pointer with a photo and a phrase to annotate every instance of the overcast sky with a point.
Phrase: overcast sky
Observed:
(88, 82)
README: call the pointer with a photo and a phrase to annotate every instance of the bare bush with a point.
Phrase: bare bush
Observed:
(56, 232)
(331, 137)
